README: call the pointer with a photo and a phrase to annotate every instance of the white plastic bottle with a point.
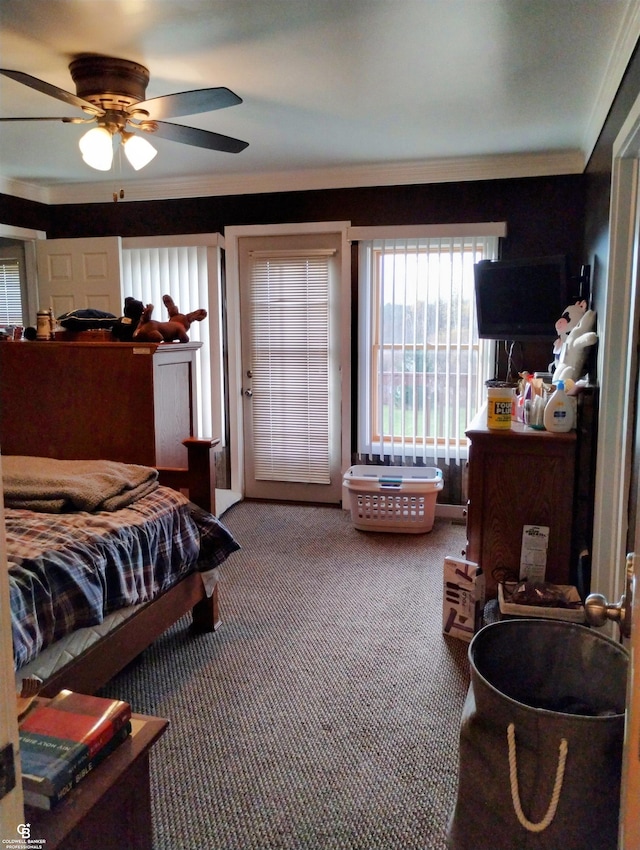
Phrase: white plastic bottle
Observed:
(558, 412)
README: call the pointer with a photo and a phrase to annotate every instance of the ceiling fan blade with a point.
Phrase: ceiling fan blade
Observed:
(53, 91)
(49, 118)
(189, 102)
(198, 138)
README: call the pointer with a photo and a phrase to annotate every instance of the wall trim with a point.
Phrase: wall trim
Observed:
(451, 170)
(24, 190)
(10, 231)
(620, 56)
(615, 357)
(427, 231)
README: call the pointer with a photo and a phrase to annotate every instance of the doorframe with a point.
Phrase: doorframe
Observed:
(232, 236)
(11, 805)
(615, 353)
(28, 237)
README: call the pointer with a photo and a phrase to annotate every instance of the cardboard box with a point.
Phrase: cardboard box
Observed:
(463, 598)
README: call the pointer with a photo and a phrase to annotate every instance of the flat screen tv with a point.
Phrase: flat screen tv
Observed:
(521, 299)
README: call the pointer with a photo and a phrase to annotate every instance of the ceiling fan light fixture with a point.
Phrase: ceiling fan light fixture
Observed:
(96, 147)
(138, 151)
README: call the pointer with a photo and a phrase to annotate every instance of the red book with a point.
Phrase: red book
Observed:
(58, 738)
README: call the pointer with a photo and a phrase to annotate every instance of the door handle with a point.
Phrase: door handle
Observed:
(248, 393)
(598, 609)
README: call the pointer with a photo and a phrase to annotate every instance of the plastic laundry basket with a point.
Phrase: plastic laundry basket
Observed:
(400, 499)
(541, 739)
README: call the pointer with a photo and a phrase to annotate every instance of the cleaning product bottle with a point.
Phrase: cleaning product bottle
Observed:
(558, 412)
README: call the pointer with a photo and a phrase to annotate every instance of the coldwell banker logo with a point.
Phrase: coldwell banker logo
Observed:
(25, 841)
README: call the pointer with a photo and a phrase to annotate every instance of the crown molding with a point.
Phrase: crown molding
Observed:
(27, 191)
(619, 58)
(394, 174)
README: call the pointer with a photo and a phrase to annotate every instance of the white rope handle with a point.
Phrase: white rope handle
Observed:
(515, 793)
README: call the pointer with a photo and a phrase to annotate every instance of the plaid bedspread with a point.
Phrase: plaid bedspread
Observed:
(67, 571)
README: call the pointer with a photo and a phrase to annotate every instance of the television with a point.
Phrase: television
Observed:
(521, 299)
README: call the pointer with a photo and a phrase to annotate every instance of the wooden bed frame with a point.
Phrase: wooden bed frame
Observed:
(110, 654)
(123, 402)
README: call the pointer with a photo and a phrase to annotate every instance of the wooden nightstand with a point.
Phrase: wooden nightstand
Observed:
(111, 807)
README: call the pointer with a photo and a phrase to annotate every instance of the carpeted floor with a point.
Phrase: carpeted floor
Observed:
(324, 714)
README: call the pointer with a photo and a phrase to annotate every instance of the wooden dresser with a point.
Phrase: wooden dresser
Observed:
(519, 477)
(134, 403)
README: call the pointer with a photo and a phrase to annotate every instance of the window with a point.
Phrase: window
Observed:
(186, 272)
(422, 366)
(10, 292)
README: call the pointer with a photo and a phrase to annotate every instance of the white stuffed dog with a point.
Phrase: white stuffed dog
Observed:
(573, 353)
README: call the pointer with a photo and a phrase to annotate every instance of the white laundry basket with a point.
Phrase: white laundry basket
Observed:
(398, 499)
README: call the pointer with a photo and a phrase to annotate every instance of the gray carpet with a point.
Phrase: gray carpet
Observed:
(324, 714)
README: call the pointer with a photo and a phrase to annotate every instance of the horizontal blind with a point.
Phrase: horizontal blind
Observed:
(422, 365)
(181, 272)
(10, 293)
(289, 304)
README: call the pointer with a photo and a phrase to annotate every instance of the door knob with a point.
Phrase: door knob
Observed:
(598, 610)
(248, 393)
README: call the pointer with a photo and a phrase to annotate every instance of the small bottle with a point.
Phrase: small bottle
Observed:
(558, 412)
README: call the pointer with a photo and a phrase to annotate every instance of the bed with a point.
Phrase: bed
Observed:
(79, 617)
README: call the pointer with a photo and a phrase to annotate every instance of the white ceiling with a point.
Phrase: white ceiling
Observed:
(336, 92)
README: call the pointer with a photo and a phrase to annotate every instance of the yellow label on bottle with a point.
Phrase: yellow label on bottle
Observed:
(499, 409)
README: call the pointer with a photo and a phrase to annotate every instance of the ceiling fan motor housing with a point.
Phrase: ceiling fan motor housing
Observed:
(109, 83)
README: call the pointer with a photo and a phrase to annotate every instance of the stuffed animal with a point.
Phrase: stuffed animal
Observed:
(573, 353)
(565, 324)
(176, 328)
(125, 326)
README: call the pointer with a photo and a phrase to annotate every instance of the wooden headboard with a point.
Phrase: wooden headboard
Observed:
(132, 403)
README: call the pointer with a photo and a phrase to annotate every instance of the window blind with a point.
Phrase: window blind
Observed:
(289, 304)
(10, 292)
(181, 272)
(422, 366)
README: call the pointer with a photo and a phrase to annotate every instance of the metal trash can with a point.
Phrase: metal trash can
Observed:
(541, 739)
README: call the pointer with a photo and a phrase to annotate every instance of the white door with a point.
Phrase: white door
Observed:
(290, 342)
(79, 273)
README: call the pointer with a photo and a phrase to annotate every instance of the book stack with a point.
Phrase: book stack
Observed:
(64, 739)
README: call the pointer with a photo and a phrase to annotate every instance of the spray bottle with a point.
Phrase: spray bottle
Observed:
(558, 412)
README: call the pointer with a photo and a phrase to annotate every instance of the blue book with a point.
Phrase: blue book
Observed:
(41, 800)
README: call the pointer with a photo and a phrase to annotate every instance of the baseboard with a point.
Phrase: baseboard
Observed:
(456, 513)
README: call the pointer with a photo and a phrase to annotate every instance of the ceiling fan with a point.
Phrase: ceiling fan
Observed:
(112, 92)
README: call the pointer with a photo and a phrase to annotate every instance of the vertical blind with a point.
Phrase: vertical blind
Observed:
(289, 305)
(10, 292)
(422, 366)
(182, 273)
